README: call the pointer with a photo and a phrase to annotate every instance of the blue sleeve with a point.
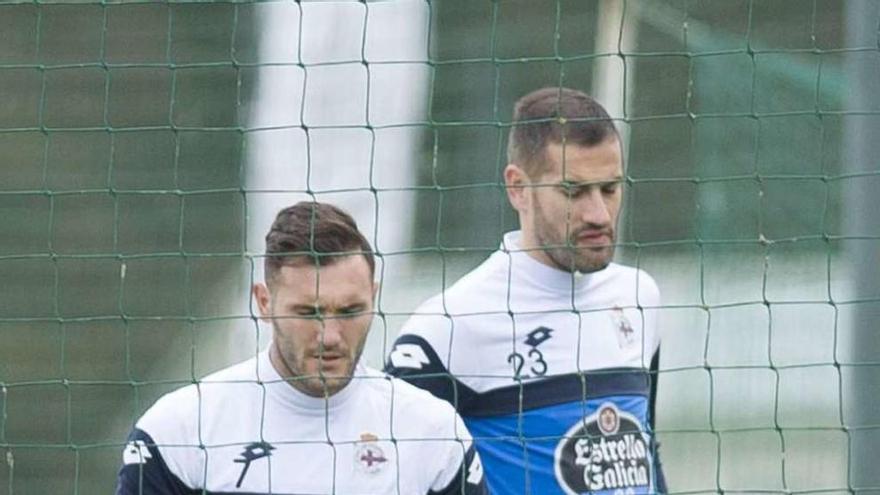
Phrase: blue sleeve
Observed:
(144, 472)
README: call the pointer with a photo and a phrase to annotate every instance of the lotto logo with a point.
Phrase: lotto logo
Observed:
(409, 356)
(136, 452)
(475, 470)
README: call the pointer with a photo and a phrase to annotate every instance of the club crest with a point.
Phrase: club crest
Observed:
(609, 420)
(369, 456)
(626, 335)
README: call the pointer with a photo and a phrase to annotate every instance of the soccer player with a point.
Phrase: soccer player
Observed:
(548, 348)
(304, 416)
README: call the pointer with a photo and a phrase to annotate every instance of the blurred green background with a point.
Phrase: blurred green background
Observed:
(124, 213)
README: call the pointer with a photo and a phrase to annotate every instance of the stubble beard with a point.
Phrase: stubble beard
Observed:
(315, 384)
(564, 252)
(578, 259)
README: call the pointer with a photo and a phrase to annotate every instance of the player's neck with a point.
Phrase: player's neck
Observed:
(530, 245)
(281, 384)
(291, 377)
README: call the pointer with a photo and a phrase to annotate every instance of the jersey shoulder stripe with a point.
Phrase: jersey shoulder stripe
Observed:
(144, 471)
(415, 361)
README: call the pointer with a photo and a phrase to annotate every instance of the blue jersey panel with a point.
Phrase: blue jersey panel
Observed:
(596, 446)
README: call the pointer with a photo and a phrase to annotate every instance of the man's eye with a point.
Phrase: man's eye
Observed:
(307, 312)
(351, 312)
(574, 191)
(610, 188)
(569, 189)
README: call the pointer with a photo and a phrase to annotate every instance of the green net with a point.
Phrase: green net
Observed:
(141, 157)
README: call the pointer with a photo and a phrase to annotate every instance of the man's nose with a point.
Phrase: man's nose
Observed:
(330, 331)
(592, 209)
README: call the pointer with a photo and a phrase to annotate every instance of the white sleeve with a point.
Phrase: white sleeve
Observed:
(172, 424)
(430, 324)
(649, 299)
(459, 468)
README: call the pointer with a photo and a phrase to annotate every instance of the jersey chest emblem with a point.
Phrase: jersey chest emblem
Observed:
(368, 455)
(604, 452)
(626, 334)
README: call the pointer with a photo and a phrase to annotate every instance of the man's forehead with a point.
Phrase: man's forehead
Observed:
(318, 264)
(347, 274)
(577, 163)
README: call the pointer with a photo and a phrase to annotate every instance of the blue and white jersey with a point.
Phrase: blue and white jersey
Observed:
(245, 430)
(551, 371)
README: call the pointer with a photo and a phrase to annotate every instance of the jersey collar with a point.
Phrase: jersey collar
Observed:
(524, 266)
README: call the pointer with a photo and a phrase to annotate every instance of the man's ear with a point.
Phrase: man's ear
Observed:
(263, 299)
(515, 181)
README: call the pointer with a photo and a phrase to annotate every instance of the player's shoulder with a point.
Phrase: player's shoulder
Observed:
(170, 418)
(245, 371)
(628, 277)
(474, 292)
(177, 411)
(616, 269)
(394, 389)
(410, 401)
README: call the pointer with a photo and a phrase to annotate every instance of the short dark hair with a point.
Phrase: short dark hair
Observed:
(312, 232)
(553, 115)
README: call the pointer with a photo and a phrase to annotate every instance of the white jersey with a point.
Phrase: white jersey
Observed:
(245, 430)
(537, 360)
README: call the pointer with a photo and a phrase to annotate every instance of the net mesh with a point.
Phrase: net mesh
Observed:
(142, 158)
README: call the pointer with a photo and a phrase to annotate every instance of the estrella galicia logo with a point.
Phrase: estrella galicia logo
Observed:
(252, 452)
(604, 452)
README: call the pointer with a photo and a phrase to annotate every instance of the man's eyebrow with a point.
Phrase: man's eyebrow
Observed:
(302, 306)
(354, 307)
(324, 309)
(582, 183)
